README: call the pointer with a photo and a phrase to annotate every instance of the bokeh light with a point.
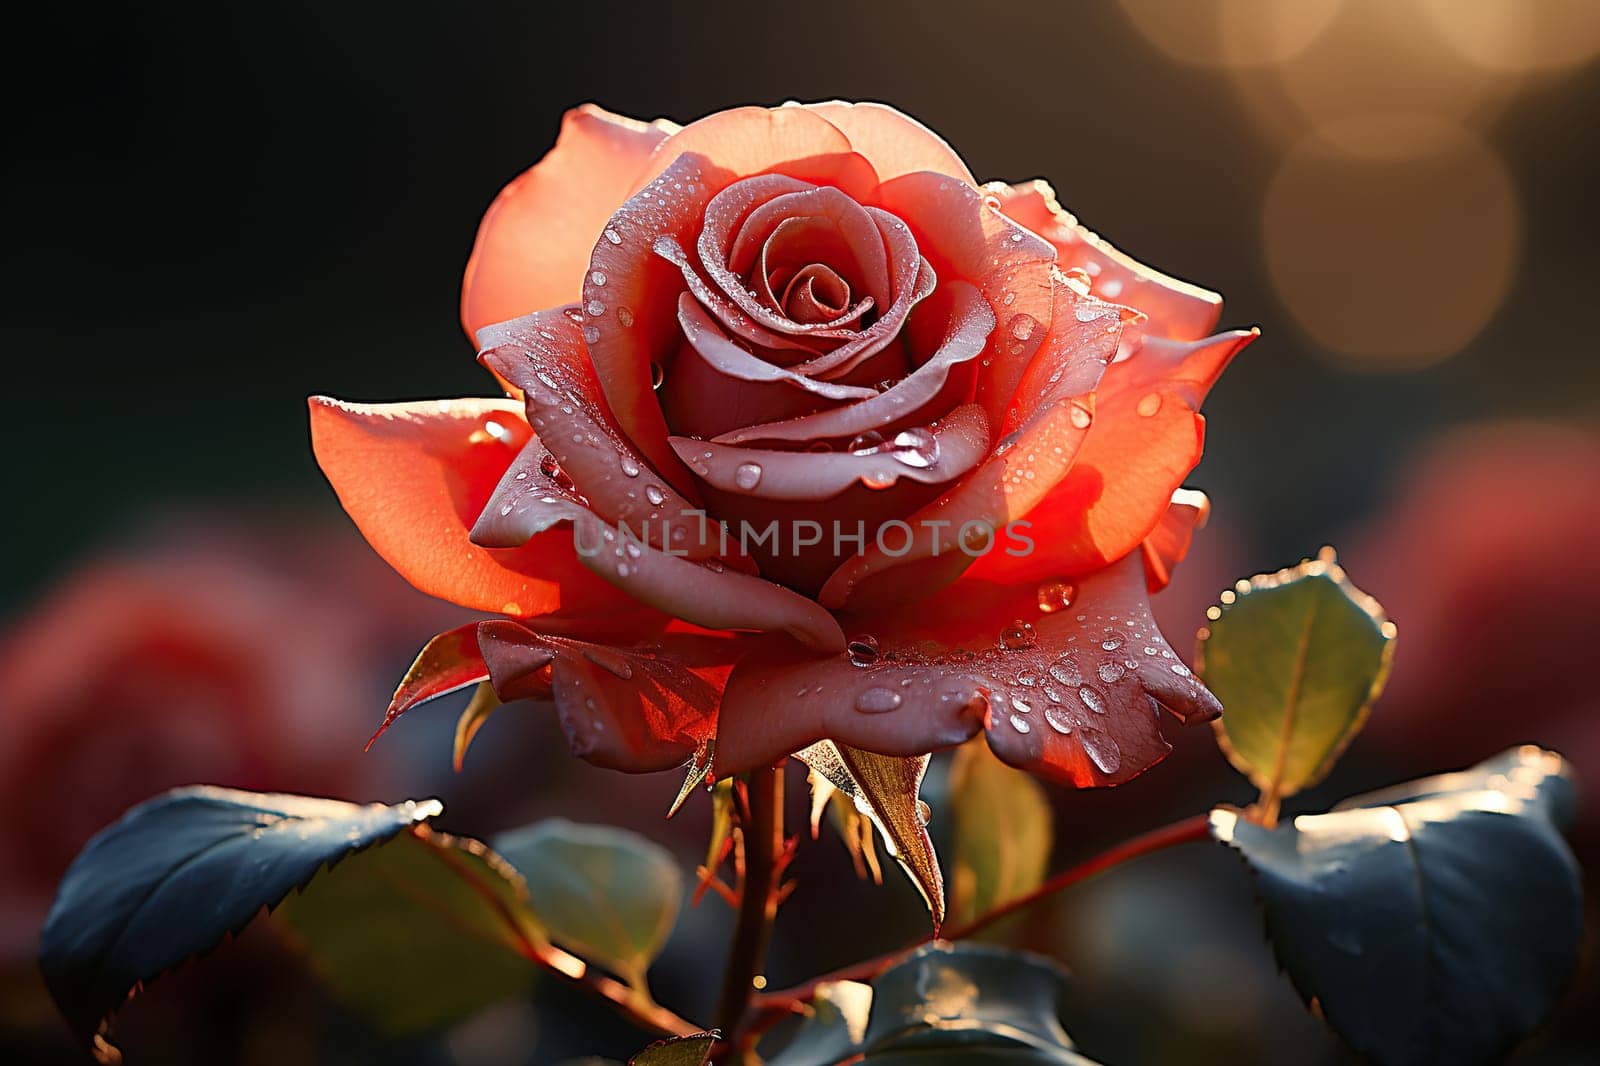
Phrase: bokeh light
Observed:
(1396, 253)
(1518, 35)
(1233, 33)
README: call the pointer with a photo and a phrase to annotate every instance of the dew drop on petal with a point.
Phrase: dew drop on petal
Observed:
(1018, 636)
(1020, 724)
(1101, 749)
(1092, 699)
(654, 494)
(878, 700)
(863, 650)
(1080, 416)
(1149, 404)
(747, 476)
(1056, 718)
(1055, 596)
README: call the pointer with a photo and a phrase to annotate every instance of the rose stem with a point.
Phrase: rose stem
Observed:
(1189, 829)
(762, 844)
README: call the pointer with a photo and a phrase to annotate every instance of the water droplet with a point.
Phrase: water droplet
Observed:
(598, 276)
(747, 476)
(1022, 327)
(1017, 636)
(505, 510)
(1028, 678)
(1055, 596)
(1101, 749)
(612, 235)
(1113, 640)
(1148, 650)
(916, 447)
(629, 467)
(878, 700)
(1092, 699)
(1056, 718)
(654, 494)
(867, 443)
(552, 470)
(657, 375)
(1080, 415)
(1149, 404)
(1180, 669)
(595, 308)
(1111, 673)
(1066, 671)
(1021, 705)
(924, 812)
(1020, 724)
(863, 650)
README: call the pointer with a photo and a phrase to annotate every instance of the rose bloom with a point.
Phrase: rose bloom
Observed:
(809, 436)
(224, 657)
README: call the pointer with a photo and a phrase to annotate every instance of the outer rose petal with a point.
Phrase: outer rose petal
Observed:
(1076, 705)
(965, 236)
(744, 141)
(894, 142)
(639, 709)
(1176, 309)
(415, 476)
(534, 242)
(1169, 542)
(1147, 436)
(708, 595)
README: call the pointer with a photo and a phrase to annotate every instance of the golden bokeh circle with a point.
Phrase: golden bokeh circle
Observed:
(1518, 35)
(1231, 33)
(1392, 241)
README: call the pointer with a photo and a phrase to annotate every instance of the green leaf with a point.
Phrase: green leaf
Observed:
(956, 1003)
(1296, 658)
(677, 1051)
(465, 920)
(1433, 922)
(1003, 827)
(885, 789)
(606, 894)
(178, 873)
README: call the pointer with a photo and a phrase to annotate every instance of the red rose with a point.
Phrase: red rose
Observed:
(231, 661)
(964, 416)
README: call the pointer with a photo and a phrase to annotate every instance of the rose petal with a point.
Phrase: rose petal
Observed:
(965, 235)
(1169, 542)
(543, 355)
(706, 594)
(1147, 436)
(745, 141)
(945, 669)
(779, 701)
(635, 294)
(526, 502)
(448, 663)
(913, 280)
(415, 476)
(728, 359)
(741, 221)
(1052, 422)
(914, 399)
(640, 709)
(534, 241)
(1176, 309)
(961, 438)
(895, 143)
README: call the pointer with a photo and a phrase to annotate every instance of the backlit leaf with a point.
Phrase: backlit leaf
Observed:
(1296, 657)
(884, 788)
(1002, 833)
(178, 873)
(1432, 922)
(606, 894)
(677, 1051)
(962, 1002)
(419, 933)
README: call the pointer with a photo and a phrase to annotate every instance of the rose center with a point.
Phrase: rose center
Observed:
(815, 293)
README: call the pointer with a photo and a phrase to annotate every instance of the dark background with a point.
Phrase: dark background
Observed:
(215, 210)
